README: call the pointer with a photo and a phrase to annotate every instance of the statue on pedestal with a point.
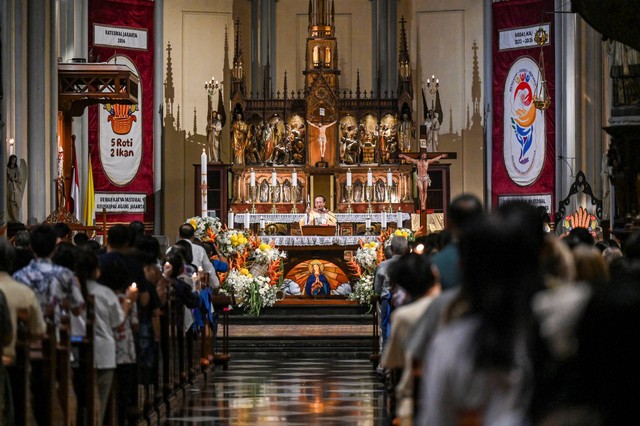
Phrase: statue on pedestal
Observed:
(16, 180)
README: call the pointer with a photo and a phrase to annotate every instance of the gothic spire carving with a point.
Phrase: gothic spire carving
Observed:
(169, 90)
(238, 77)
(476, 88)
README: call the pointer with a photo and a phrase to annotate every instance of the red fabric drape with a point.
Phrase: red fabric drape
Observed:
(510, 15)
(136, 14)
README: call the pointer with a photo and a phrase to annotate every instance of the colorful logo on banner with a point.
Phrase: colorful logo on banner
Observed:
(121, 136)
(524, 126)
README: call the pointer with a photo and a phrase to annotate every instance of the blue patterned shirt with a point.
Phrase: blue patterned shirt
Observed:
(52, 284)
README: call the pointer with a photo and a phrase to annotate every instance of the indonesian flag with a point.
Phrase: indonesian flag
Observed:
(75, 183)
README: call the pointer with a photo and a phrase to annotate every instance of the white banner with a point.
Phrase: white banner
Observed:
(536, 200)
(121, 136)
(524, 125)
(119, 37)
(521, 38)
(121, 202)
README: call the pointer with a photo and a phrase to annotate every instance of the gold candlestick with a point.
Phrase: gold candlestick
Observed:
(369, 193)
(253, 194)
(390, 209)
(294, 199)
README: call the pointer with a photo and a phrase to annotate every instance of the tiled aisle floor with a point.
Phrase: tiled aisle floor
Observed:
(291, 392)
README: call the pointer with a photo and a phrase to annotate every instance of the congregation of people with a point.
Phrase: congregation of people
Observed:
(125, 310)
(496, 321)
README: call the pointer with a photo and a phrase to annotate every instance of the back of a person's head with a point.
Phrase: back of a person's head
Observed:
(413, 272)
(186, 231)
(80, 239)
(86, 264)
(610, 254)
(399, 245)
(578, 236)
(13, 228)
(114, 273)
(62, 230)
(137, 227)
(7, 256)
(210, 249)
(463, 211)
(118, 237)
(187, 251)
(590, 265)
(176, 260)
(631, 246)
(524, 216)
(21, 239)
(147, 248)
(388, 253)
(43, 240)
(94, 246)
(65, 254)
(556, 261)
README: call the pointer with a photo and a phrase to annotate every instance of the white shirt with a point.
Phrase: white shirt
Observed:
(108, 315)
(200, 258)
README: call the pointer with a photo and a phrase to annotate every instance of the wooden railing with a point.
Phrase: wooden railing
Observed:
(45, 364)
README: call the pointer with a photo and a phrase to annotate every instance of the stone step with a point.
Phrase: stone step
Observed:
(280, 347)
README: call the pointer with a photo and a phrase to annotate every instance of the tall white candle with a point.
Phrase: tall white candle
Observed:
(12, 147)
(253, 178)
(399, 220)
(369, 178)
(389, 178)
(246, 220)
(262, 222)
(230, 218)
(274, 178)
(203, 183)
(383, 221)
(368, 223)
(348, 177)
(294, 178)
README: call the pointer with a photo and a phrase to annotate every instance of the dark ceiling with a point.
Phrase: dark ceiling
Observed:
(615, 19)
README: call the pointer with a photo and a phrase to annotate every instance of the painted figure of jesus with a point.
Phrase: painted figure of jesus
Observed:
(322, 135)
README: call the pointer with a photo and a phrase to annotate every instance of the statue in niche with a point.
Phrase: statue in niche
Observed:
(301, 191)
(240, 136)
(296, 137)
(16, 180)
(264, 191)
(282, 153)
(278, 193)
(368, 130)
(286, 191)
(343, 192)
(214, 132)
(388, 138)
(405, 133)
(433, 132)
(357, 191)
(268, 142)
(322, 135)
(349, 143)
(252, 151)
(380, 189)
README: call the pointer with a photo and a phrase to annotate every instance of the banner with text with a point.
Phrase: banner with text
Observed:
(523, 149)
(121, 136)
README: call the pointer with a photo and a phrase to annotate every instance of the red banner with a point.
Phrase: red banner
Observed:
(121, 137)
(523, 149)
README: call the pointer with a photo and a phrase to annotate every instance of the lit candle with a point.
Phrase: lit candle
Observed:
(389, 178)
(348, 177)
(383, 221)
(194, 278)
(230, 218)
(399, 217)
(253, 178)
(369, 178)
(294, 178)
(12, 147)
(134, 285)
(368, 223)
(203, 183)
(246, 220)
(262, 222)
(274, 178)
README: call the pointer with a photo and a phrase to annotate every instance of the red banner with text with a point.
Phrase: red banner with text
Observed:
(523, 149)
(121, 136)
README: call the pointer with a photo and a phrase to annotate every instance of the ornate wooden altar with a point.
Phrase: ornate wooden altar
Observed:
(289, 147)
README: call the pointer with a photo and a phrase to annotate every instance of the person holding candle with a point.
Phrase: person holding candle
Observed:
(200, 258)
(319, 215)
(423, 176)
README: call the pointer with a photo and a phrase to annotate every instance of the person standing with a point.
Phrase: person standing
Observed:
(320, 215)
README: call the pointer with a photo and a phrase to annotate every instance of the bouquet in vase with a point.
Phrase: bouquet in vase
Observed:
(266, 253)
(232, 242)
(363, 290)
(367, 257)
(252, 293)
(402, 232)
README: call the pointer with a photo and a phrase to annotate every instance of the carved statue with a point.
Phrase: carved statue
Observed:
(214, 131)
(322, 135)
(16, 180)
(349, 144)
(252, 151)
(405, 134)
(433, 131)
(240, 137)
(296, 137)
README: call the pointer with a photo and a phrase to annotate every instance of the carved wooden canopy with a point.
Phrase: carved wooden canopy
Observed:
(81, 85)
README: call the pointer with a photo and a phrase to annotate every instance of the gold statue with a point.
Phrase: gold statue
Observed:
(240, 135)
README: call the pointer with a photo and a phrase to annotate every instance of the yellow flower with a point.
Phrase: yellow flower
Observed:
(234, 237)
(249, 275)
(405, 234)
(244, 271)
(193, 223)
(398, 233)
(264, 247)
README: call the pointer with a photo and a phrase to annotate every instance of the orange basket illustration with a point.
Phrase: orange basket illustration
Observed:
(121, 118)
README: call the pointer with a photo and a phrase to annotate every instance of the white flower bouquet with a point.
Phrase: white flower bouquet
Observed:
(266, 253)
(206, 227)
(251, 292)
(363, 290)
(232, 242)
(402, 232)
(367, 257)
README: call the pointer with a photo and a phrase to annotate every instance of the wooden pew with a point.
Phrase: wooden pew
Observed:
(20, 376)
(88, 404)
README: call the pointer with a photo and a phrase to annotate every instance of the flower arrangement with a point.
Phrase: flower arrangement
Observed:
(367, 257)
(252, 292)
(401, 232)
(266, 253)
(232, 242)
(206, 227)
(363, 290)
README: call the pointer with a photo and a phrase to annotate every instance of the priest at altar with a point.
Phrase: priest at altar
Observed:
(319, 215)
